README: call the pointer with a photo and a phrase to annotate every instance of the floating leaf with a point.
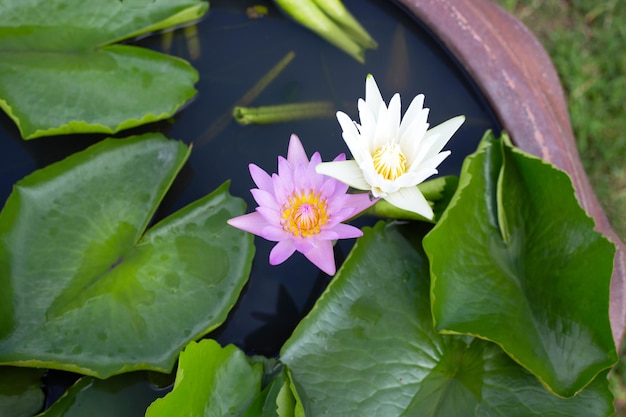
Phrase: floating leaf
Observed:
(368, 348)
(20, 391)
(210, 381)
(516, 260)
(86, 290)
(121, 396)
(60, 74)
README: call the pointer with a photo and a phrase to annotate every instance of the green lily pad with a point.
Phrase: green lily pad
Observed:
(20, 391)
(531, 274)
(125, 395)
(60, 74)
(210, 381)
(87, 289)
(368, 348)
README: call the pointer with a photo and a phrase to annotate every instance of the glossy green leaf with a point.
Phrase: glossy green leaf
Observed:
(20, 391)
(60, 74)
(127, 395)
(368, 348)
(87, 289)
(524, 268)
(210, 381)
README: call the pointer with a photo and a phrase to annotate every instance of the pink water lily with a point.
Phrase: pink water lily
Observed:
(301, 210)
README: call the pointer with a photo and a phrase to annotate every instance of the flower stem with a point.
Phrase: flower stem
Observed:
(338, 13)
(283, 112)
(308, 14)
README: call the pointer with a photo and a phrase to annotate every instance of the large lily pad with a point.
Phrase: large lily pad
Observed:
(85, 289)
(368, 348)
(516, 260)
(125, 395)
(60, 74)
(20, 391)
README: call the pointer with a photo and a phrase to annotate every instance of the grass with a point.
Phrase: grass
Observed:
(586, 41)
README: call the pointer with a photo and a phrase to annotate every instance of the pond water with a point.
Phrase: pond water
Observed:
(234, 53)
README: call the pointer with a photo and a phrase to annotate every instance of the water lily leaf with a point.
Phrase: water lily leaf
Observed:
(210, 381)
(529, 272)
(86, 290)
(20, 391)
(368, 348)
(125, 395)
(60, 73)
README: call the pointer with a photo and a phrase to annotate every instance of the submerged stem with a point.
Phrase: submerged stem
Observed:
(283, 112)
(222, 122)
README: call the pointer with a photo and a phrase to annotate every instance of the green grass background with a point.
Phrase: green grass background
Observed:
(586, 40)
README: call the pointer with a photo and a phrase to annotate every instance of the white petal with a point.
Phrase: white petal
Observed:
(373, 98)
(393, 118)
(368, 123)
(442, 134)
(429, 168)
(345, 171)
(383, 131)
(412, 132)
(351, 136)
(413, 113)
(411, 199)
(434, 140)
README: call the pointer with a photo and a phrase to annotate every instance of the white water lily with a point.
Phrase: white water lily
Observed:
(391, 155)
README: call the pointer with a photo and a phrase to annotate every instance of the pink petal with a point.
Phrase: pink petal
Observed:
(323, 257)
(261, 178)
(252, 223)
(304, 245)
(340, 157)
(346, 231)
(315, 159)
(285, 172)
(271, 216)
(296, 153)
(282, 191)
(329, 186)
(283, 250)
(359, 202)
(275, 233)
(264, 198)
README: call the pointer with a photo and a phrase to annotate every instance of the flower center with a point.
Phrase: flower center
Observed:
(304, 214)
(389, 161)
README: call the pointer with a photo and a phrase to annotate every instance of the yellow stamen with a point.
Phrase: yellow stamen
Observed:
(304, 214)
(389, 161)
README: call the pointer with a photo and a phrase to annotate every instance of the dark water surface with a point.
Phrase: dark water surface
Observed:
(235, 52)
